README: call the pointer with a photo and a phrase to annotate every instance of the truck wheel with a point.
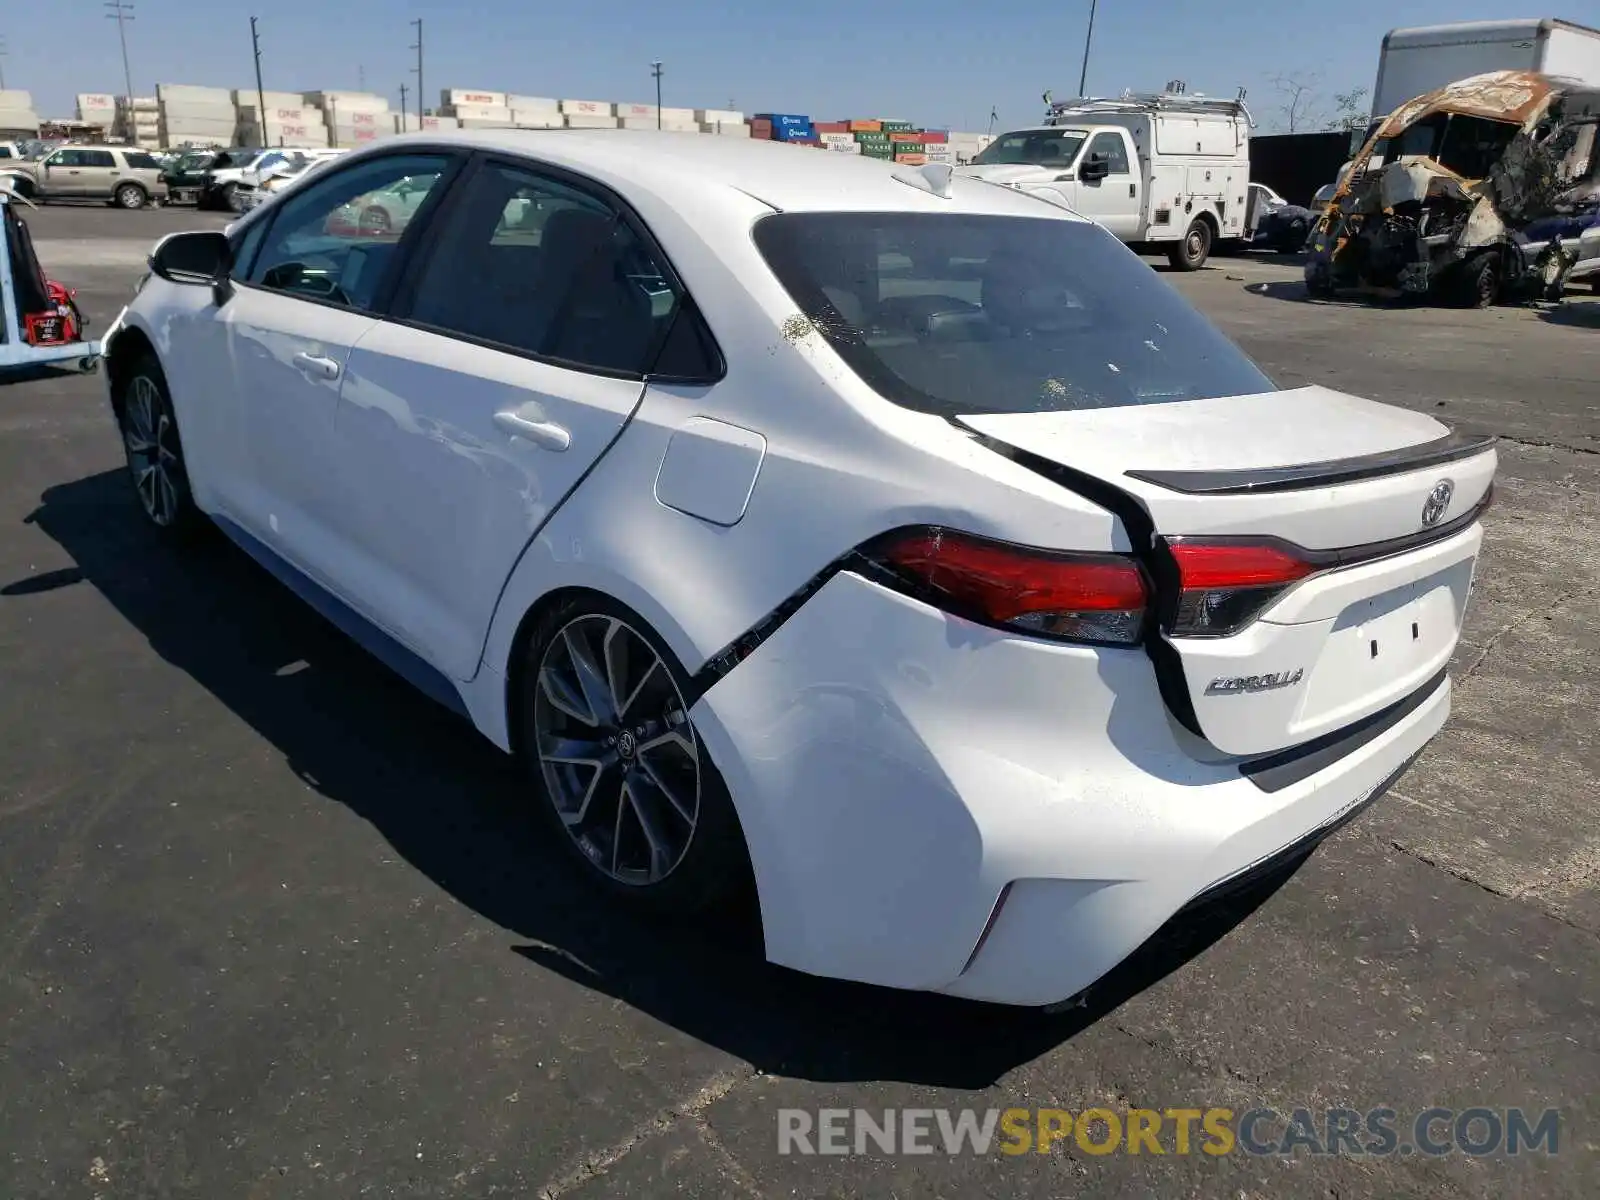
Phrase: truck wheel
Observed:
(1480, 283)
(130, 196)
(1191, 253)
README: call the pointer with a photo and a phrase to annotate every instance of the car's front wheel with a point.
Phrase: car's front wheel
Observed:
(1191, 253)
(620, 772)
(154, 451)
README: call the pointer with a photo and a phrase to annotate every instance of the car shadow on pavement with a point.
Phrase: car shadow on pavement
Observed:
(1581, 315)
(453, 807)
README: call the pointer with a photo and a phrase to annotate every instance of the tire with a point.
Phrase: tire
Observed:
(1319, 285)
(154, 451)
(636, 801)
(1480, 283)
(1191, 253)
(224, 201)
(130, 196)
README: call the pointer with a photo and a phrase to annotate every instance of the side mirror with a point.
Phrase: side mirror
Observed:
(1094, 169)
(201, 259)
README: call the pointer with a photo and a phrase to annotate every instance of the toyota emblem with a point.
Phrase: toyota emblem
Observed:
(1438, 501)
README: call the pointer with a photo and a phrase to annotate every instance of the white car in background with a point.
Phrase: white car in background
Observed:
(279, 180)
(896, 541)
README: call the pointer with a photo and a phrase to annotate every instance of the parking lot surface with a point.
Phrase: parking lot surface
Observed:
(276, 926)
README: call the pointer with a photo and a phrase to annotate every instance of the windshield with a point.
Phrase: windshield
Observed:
(1032, 147)
(192, 162)
(1469, 146)
(954, 314)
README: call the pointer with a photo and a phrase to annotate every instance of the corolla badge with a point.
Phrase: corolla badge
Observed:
(1234, 685)
(1438, 501)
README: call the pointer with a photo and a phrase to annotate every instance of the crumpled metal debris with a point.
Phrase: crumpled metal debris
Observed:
(1463, 170)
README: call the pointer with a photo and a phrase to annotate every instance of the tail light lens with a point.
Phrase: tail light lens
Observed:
(1078, 597)
(1223, 586)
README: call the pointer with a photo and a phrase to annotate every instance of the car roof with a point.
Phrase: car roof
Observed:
(682, 167)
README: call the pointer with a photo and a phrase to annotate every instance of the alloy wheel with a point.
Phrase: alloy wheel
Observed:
(149, 439)
(618, 754)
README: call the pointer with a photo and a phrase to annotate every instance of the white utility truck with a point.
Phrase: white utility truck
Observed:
(1170, 169)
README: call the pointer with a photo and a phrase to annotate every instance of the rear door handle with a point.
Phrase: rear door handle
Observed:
(547, 434)
(315, 364)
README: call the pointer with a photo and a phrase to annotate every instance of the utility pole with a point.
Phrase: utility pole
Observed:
(403, 113)
(261, 96)
(4, 53)
(361, 78)
(418, 69)
(655, 70)
(122, 13)
(1083, 79)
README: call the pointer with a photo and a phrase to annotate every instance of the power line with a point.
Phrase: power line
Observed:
(261, 96)
(418, 70)
(122, 13)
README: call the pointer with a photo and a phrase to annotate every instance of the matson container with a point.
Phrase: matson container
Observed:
(588, 108)
(472, 98)
(836, 139)
(851, 147)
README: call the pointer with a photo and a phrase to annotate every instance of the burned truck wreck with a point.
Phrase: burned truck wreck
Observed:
(1437, 201)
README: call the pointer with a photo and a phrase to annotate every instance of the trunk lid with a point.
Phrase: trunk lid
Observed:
(1380, 501)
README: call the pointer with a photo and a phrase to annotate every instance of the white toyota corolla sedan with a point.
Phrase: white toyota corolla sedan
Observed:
(898, 541)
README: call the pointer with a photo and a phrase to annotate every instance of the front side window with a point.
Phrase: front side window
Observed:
(1032, 148)
(955, 314)
(336, 239)
(1110, 148)
(65, 158)
(532, 263)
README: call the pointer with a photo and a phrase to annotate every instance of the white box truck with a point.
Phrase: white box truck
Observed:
(1414, 61)
(1170, 169)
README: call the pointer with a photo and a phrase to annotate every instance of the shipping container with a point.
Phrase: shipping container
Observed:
(481, 113)
(472, 98)
(843, 147)
(831, 126)
(244, 96)
(865, 126)
(683, 116)
(902, 135)
(930, 136)
(174, 111)
(869, 150)
(916, 148)
(636, 112)
(183, 93)
(347, 100)
(911, 160)
(889, 126)
(532, 104)
(539, 119)
(718, 116)
(590, 121)
(786, 120)
(732, 129)
(339, 114)
(836, 139)
(871, 138)
(283, 115)
(588, 108)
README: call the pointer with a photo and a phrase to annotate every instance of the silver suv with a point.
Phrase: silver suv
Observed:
(123, 175)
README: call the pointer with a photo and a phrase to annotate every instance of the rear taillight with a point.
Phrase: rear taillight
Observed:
(1224, 585)
(1079, 597)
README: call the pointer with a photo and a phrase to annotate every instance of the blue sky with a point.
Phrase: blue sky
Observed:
(935, 62)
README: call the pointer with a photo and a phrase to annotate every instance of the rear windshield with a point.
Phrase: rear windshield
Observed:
(953, 314)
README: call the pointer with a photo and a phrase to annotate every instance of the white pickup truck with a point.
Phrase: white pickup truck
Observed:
(1171, 169)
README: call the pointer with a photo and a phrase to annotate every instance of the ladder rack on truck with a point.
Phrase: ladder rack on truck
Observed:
(1145, 102)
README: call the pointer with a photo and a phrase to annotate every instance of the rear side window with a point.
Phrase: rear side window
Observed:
(141, 162)
(532, 263)
(97, 158)
(5, 151)
(955, 314)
